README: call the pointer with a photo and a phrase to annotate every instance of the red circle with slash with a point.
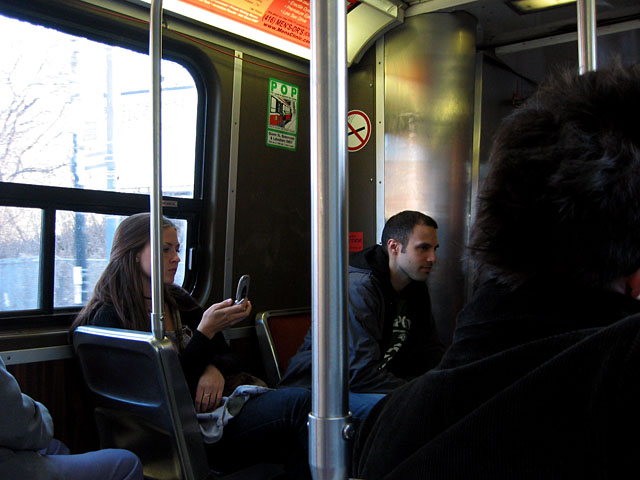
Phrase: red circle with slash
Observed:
(358, 130)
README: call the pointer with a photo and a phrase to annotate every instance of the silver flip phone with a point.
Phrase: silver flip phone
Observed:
(242, 291)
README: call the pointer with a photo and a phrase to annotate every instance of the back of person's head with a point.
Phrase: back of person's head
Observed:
(561, 200)
(120, 285)
(400, 226)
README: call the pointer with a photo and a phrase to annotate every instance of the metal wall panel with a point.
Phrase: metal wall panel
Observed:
(560, 52)
(429, 97)
(362, 163)
(273, 213)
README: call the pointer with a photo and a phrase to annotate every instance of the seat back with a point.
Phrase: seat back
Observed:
(142, 401)
(280, 334)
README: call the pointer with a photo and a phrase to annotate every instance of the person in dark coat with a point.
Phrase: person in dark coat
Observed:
(542, 378)
(392, 332)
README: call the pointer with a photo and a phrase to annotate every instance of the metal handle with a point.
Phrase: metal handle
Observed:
(586, 35)
(329, 412)
(157, 280)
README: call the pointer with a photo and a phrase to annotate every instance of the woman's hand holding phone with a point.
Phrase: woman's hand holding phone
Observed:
(223, 315)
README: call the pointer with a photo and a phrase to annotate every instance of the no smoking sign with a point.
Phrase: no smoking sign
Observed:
(358, 130)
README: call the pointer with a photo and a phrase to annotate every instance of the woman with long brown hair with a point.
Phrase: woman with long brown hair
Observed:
(271, 427)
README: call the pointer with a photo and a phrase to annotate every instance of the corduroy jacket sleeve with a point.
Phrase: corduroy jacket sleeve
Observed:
(24, 423)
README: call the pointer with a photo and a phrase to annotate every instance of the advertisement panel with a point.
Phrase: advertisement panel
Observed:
(282, 114)
(285, 19)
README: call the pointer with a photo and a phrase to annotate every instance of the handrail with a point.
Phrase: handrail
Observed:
(586, 18)
(329, 418)
(155, 197)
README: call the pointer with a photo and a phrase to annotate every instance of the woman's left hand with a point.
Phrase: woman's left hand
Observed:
(209, 391)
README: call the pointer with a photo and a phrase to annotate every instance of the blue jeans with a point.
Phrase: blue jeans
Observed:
(360, 404)
(271, 428)
(109, 464)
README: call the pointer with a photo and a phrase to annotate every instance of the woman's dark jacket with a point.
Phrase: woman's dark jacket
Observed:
(198, 353)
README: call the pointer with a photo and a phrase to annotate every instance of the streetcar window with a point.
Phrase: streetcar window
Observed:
(20, 245)
(83, 243)
(77, 113)
(76, 158)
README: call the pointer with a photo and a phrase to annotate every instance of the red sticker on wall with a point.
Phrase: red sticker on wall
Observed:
(356, 241)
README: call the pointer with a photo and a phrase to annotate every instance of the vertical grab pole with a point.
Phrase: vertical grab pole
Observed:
(157, 280)
(329, 417)
(586, 35)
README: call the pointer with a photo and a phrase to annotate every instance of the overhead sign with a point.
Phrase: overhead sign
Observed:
(286, 19)
(358, 130)
(282, 115)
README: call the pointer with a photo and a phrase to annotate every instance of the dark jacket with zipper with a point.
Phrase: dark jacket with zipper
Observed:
(374, 306)
(199, 352)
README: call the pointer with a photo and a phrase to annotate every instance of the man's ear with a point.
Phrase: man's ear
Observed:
(632, 283)
(393, 247)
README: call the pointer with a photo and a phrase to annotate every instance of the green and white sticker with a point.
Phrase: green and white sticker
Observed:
(282, 115)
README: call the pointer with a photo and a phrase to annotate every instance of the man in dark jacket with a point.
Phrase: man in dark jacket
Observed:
(542, 379)
(392, 333)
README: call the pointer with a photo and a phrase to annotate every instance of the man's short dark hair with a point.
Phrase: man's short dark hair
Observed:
(401, 225)
(562, 195)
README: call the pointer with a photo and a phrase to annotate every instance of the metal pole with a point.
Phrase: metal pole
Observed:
(586, 35)
(329, 417)
(157, 281)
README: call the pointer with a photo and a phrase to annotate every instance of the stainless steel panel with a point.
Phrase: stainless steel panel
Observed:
(429, 98)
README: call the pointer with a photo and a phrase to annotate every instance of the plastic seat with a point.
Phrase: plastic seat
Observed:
(280, 333)
(143, 403)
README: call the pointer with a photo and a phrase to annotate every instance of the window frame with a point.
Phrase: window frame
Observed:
(51, 199)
